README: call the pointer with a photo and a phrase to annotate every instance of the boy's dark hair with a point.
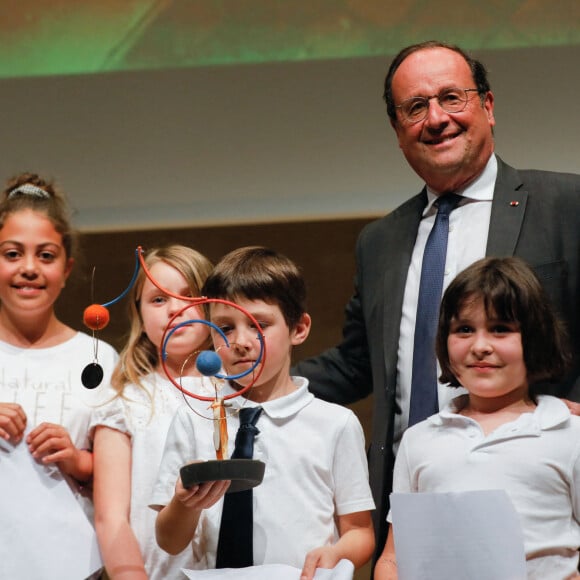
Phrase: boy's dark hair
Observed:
(510, 291)
(259, 273)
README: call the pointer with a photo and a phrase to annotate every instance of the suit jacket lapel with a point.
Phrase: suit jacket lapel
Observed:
(404, 226)
(507, 212)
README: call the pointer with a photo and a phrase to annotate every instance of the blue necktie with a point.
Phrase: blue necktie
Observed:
(424, 401)
(235, 544)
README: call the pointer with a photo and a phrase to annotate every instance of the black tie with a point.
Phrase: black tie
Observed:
(235, 544)
(424, 400)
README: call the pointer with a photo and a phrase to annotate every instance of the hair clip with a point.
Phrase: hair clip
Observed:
(29, 189)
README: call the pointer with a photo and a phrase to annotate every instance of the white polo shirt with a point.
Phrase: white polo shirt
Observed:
(535, 459)
(316, 468)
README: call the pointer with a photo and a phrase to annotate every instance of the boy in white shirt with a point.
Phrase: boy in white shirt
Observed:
(314, 505)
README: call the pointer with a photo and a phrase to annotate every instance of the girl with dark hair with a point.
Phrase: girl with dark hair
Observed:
(498, 337)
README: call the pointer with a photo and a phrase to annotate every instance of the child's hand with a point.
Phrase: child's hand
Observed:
(325, 557)
(12, 422)
(201, 496)
(51, 443)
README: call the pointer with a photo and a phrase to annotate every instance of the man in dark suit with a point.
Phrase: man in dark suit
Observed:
(441, 108)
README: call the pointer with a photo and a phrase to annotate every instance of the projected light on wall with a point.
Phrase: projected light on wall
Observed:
(43, 37)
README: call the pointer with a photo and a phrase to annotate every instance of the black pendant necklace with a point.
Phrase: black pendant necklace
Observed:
(92, 375)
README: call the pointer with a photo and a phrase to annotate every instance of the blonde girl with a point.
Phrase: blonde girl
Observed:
(130, 430)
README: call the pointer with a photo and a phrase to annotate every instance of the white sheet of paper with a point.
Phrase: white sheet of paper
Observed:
(344, 570)
(45, 532)
(474, 535)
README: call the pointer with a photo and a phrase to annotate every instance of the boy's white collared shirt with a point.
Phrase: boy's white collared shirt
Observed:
(316, 469)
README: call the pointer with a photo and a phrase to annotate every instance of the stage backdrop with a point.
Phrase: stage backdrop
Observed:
(188, 112)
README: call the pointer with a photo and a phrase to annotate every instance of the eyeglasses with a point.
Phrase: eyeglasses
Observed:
(452, 100)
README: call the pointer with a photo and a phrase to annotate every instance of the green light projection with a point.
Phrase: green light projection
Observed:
(53, 37)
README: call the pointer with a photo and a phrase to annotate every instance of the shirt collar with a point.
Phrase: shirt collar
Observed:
(549, 413)
(282, 407)
(480, 189)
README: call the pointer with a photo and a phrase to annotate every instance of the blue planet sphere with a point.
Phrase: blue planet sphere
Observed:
(208, 363)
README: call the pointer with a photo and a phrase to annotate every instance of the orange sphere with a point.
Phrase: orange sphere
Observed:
(96, 317)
